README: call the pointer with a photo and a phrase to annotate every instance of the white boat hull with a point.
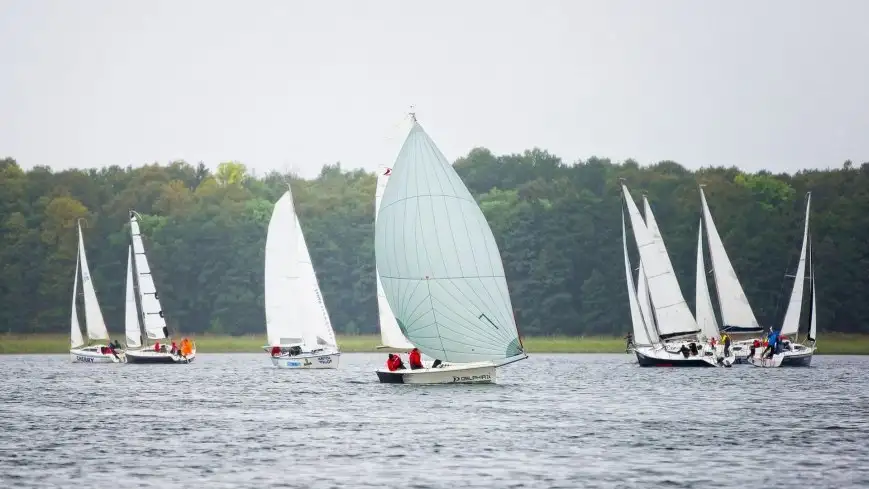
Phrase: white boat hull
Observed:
(648, 356)
(465, 373)
(798, 356)
(93, 356)
(163, 357)
(307, 361)
(773, 362)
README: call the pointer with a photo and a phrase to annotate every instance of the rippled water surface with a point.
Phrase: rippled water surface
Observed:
(232, 420)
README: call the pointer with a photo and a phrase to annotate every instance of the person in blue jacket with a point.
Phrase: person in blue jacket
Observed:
(772, 342)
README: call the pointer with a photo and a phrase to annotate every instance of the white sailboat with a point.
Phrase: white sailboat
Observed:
(737, 318)
(794, 353)
(94, 323)
(441, 271)
(145, 307)
(679, 339)
(391, 337)
(299, 331)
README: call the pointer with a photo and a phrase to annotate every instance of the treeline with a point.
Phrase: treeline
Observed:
(557, 224)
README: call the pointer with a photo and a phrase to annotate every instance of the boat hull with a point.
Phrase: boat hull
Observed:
(797, 358)
(90, 356)
(650, 357)
(307, 361)
(157, 357)
(764, 362)
(474, 373)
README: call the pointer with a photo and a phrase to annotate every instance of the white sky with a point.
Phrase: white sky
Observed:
(774, 84)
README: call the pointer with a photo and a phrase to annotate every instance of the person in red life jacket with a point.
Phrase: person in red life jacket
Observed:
(394, 363)
(174, 348)
(276, 351)
(157, 346)
(415, 359)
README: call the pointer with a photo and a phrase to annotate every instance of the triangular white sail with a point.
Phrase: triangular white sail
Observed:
(295, 311)
(319, 324)
(283, 320)
(152, 312)
(674, 318)
(132, 330)
(736, 313)
(390, 334)
(791, 323)
(438, 261)
(813, 318)
(702, 301)
(645, 302)
(75, 339)
(93, 317)
(641, 336)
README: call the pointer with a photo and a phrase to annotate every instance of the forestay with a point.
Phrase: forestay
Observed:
(673, 316)
(791, 323)
(641, 336)
(439, 264)
(736, 313)
(132, 330)
(152, 312)
(702, 301)
(93, 317)
(390, 334)
(75, 338)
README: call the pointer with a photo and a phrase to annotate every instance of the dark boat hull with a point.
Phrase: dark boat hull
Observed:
(648, 361)
(801, 360)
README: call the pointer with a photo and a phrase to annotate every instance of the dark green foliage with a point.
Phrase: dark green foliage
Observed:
(557, 227)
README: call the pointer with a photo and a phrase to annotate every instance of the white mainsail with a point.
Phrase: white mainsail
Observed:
(295, 312)
(439, 263)
(673, 316)
(312, 297)
(390, 334)
(791, 323)
(75, 338)
(736, 313)
(702, 301)
(152, 312)
(93, 317)
(132, 330)
(641, 336)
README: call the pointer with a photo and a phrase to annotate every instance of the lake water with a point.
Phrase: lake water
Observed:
(594, 421)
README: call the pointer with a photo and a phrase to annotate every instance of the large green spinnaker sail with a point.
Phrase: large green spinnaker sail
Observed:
(438, 261)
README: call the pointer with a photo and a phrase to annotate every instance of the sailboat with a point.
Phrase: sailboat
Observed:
(796, 354)
(737, 318)
(143, 310)
(94, 323)
(391, 337)
(441, 271)
(298, 327)
(679, 343)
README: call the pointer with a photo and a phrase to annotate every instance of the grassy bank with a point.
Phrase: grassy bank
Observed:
(832, 344)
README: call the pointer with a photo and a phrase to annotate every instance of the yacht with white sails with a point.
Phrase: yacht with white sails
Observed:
(441, 271)
(80, 352)
(143, 316)
(797, 354)
(298, 328)
(670, 330)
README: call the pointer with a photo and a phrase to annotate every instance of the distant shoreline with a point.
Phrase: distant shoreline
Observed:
(832, 344)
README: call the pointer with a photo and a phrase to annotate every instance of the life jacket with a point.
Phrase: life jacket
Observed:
(390, 364)
(276, 350)
(415, 359)
(157, 346)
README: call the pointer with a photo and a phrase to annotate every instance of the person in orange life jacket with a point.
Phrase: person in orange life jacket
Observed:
(415, 360)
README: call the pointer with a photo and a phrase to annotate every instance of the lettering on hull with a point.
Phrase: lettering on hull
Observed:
(84, 359)
(324, 360)
(472, 378)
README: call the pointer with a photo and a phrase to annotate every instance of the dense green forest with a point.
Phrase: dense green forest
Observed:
(557, 225)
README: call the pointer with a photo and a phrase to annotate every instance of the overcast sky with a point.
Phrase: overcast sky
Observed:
(291, 85)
